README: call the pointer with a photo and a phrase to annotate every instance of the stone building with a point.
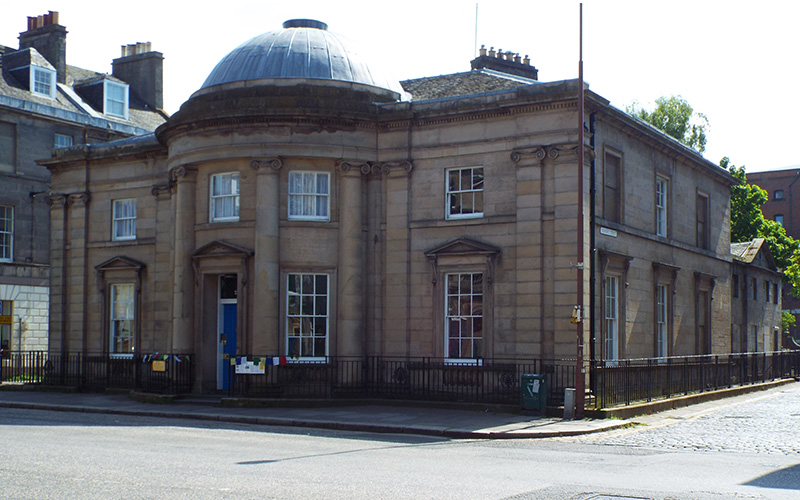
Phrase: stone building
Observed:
(300, 204)
(756, 296)
(44, 104)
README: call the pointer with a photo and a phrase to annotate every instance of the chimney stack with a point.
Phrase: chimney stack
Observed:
(143, 69)
(505, 61)
(49, 39)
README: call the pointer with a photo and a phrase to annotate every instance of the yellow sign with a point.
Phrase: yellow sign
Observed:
(159, 366)
(5, 320)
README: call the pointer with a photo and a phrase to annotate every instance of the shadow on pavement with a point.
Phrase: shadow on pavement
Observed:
(785, 479)
(63, 417)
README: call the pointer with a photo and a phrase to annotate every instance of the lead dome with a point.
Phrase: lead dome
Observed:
(303, 49)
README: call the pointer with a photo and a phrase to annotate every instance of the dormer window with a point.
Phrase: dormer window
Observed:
(116, 99)
(43, 82)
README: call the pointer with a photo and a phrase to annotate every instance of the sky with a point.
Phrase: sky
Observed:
(734, 61)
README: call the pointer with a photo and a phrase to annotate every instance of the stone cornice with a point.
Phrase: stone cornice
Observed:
(474, 114)
(237, 122)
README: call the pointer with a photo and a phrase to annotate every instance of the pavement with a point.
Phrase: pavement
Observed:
(454, 422)
(437, 419)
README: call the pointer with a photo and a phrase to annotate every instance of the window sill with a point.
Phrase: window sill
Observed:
(462, 362)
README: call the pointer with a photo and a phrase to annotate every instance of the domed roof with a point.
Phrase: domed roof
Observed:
(303, 49)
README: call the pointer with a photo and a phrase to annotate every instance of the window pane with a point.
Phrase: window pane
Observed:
(307, 309)
(321, 284)
(464, 321)
(465, 192)
(321, 306)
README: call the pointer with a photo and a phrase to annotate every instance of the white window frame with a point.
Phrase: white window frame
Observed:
(109, 99)
(662, 196)
(662, 321)
(224, 196)
(40, 87)
(464, 306)
(308, 311)
(62, 141)
(778, 194)
(123, 219)
(121, 311)
(309, 195)
(611, 318)
(6, 233)
(470, 197)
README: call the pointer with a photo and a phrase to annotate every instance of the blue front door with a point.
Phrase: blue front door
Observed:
(229, 343)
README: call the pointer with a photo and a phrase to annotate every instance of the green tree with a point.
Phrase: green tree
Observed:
(675, 116)
(787, 321)
(748, 222)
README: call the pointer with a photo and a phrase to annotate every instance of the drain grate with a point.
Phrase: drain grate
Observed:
(615, 497)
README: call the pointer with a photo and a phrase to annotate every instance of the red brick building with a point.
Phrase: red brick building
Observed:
(783, 206)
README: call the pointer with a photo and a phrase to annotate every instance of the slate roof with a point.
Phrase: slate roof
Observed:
(67, 105)
(747, 252)
(460, 84)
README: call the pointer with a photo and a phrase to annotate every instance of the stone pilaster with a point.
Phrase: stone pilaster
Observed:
(397, 332)
(374, 259)
(58, 282)
(76, 269)
(350, 290)
(183, 245)
(266, 280)
(534, 327)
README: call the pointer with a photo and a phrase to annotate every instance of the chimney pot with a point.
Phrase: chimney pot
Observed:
(53, 17)
(517, 59)
(527, 60)
(482, 52)
(492, 53)
(500, 53)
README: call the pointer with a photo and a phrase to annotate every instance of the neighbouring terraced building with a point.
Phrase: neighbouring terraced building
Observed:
(46, 103)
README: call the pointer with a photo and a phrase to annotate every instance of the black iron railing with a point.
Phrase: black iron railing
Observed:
(162, 373)
(490, 381)
(627, 381)
(485, 381)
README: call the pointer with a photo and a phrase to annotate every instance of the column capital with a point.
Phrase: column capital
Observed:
(345, 166)
(266, 164)
(552, 151)
(79, 199)
(158, 189)
(386, 167)
(57, 200)
(177, 174)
